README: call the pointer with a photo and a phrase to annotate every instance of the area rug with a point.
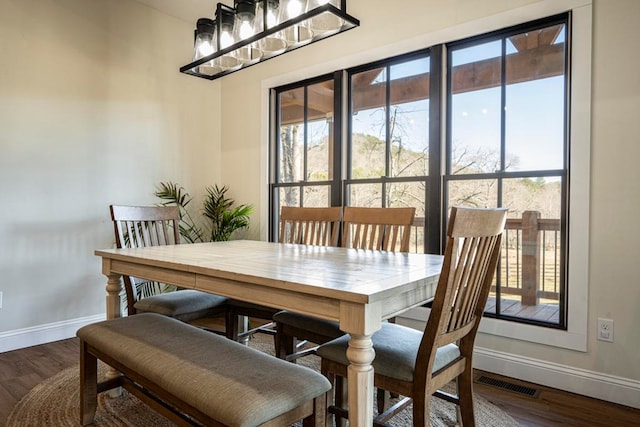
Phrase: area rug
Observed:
(55, 403)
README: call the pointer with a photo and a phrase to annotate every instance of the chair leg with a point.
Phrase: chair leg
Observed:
(88, 385)
(341, 399)
(330, 395)
(285, 344)
(465, 396)
(231, 325)
(421, 405)
(336, 398)
(381, 395)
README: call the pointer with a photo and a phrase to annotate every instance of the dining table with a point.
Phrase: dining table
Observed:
(357, 288)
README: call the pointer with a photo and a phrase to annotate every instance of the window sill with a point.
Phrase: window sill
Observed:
(536, 334)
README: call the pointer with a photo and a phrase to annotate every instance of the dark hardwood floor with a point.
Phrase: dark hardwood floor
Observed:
(21, 370)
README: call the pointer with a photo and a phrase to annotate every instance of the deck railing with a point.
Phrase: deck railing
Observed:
(530, 260)
(530, 265)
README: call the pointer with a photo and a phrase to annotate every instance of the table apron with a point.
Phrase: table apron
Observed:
(148, 272)
(313, 305)
(400, 303)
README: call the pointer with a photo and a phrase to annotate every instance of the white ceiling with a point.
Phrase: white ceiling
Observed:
(186, 10)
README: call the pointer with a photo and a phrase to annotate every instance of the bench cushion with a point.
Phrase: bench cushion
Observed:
(228, 381)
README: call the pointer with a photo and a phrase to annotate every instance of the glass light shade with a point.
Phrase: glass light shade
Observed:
(295, 35)
(325, 23)
(275, 43)
(205, 45)
(246, 25)
(225, 20)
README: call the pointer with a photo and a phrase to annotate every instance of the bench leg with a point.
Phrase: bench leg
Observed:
(319, 416)
(88, 385)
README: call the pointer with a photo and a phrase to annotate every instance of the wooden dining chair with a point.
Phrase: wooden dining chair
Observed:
(418, 364)
(310, 226)
(143, 226)
(382, 229)
(299, 225)
(386, 229)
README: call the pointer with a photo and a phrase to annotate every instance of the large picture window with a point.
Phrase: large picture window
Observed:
(507, 146)
(478, 122)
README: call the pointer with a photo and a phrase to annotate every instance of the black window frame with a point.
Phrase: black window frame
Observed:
(500, 176)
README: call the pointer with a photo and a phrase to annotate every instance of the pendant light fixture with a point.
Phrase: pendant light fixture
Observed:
(325, 23)
(256, 30)
(246, 26)
(297, 34)
(271, 44)
(225, 19)
(205, 45)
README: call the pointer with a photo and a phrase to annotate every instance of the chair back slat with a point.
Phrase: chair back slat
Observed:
(310, 225)
(143, 226)
(386, 229)
(471, 257)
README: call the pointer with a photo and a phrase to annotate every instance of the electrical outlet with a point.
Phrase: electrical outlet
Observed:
(605, 330)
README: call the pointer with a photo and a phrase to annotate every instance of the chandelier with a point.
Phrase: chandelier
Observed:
(256, 30)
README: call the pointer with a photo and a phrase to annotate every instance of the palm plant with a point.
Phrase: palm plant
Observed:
(225, 218)
(172, 194)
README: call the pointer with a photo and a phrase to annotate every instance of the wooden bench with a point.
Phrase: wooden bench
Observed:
(194, 377)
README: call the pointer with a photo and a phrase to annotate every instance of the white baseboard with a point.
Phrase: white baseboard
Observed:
(42, 334)
(601, 386)
(580, 381)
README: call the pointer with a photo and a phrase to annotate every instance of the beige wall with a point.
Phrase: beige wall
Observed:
(92, 111)
(614, 290)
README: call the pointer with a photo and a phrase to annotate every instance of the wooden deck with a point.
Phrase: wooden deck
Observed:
(542, 312)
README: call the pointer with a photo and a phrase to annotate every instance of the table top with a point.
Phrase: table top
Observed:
(359, 276)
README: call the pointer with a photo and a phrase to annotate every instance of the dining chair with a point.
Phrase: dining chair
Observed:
(418, 364)
(144, 226)
(382, 229)
(385, 229)
(310, 226)
(299, 225)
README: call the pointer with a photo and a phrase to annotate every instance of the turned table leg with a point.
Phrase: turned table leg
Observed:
(114, 287)
(360, 380)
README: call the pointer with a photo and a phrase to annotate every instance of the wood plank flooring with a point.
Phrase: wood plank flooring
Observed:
(512, 307)
(21, 370)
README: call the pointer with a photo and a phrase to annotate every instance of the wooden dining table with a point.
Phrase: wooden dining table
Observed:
(357, 288)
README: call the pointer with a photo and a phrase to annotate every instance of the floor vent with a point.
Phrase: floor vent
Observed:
(505, 385)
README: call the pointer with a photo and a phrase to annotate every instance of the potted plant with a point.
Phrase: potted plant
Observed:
(224, 217)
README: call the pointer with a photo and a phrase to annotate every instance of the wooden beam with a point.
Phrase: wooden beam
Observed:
(538, 38)
(529, 64)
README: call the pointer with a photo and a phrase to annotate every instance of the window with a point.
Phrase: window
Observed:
(306, 162)
(503, 142)
(389, 150)
(507, 146)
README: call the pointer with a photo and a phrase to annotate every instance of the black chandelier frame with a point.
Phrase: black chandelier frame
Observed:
(349, 22)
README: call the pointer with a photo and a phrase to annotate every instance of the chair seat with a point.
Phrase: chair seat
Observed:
(315, 325)
(396, 348)
(185, 305)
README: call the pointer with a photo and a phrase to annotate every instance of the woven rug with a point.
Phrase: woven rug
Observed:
(55, 403)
